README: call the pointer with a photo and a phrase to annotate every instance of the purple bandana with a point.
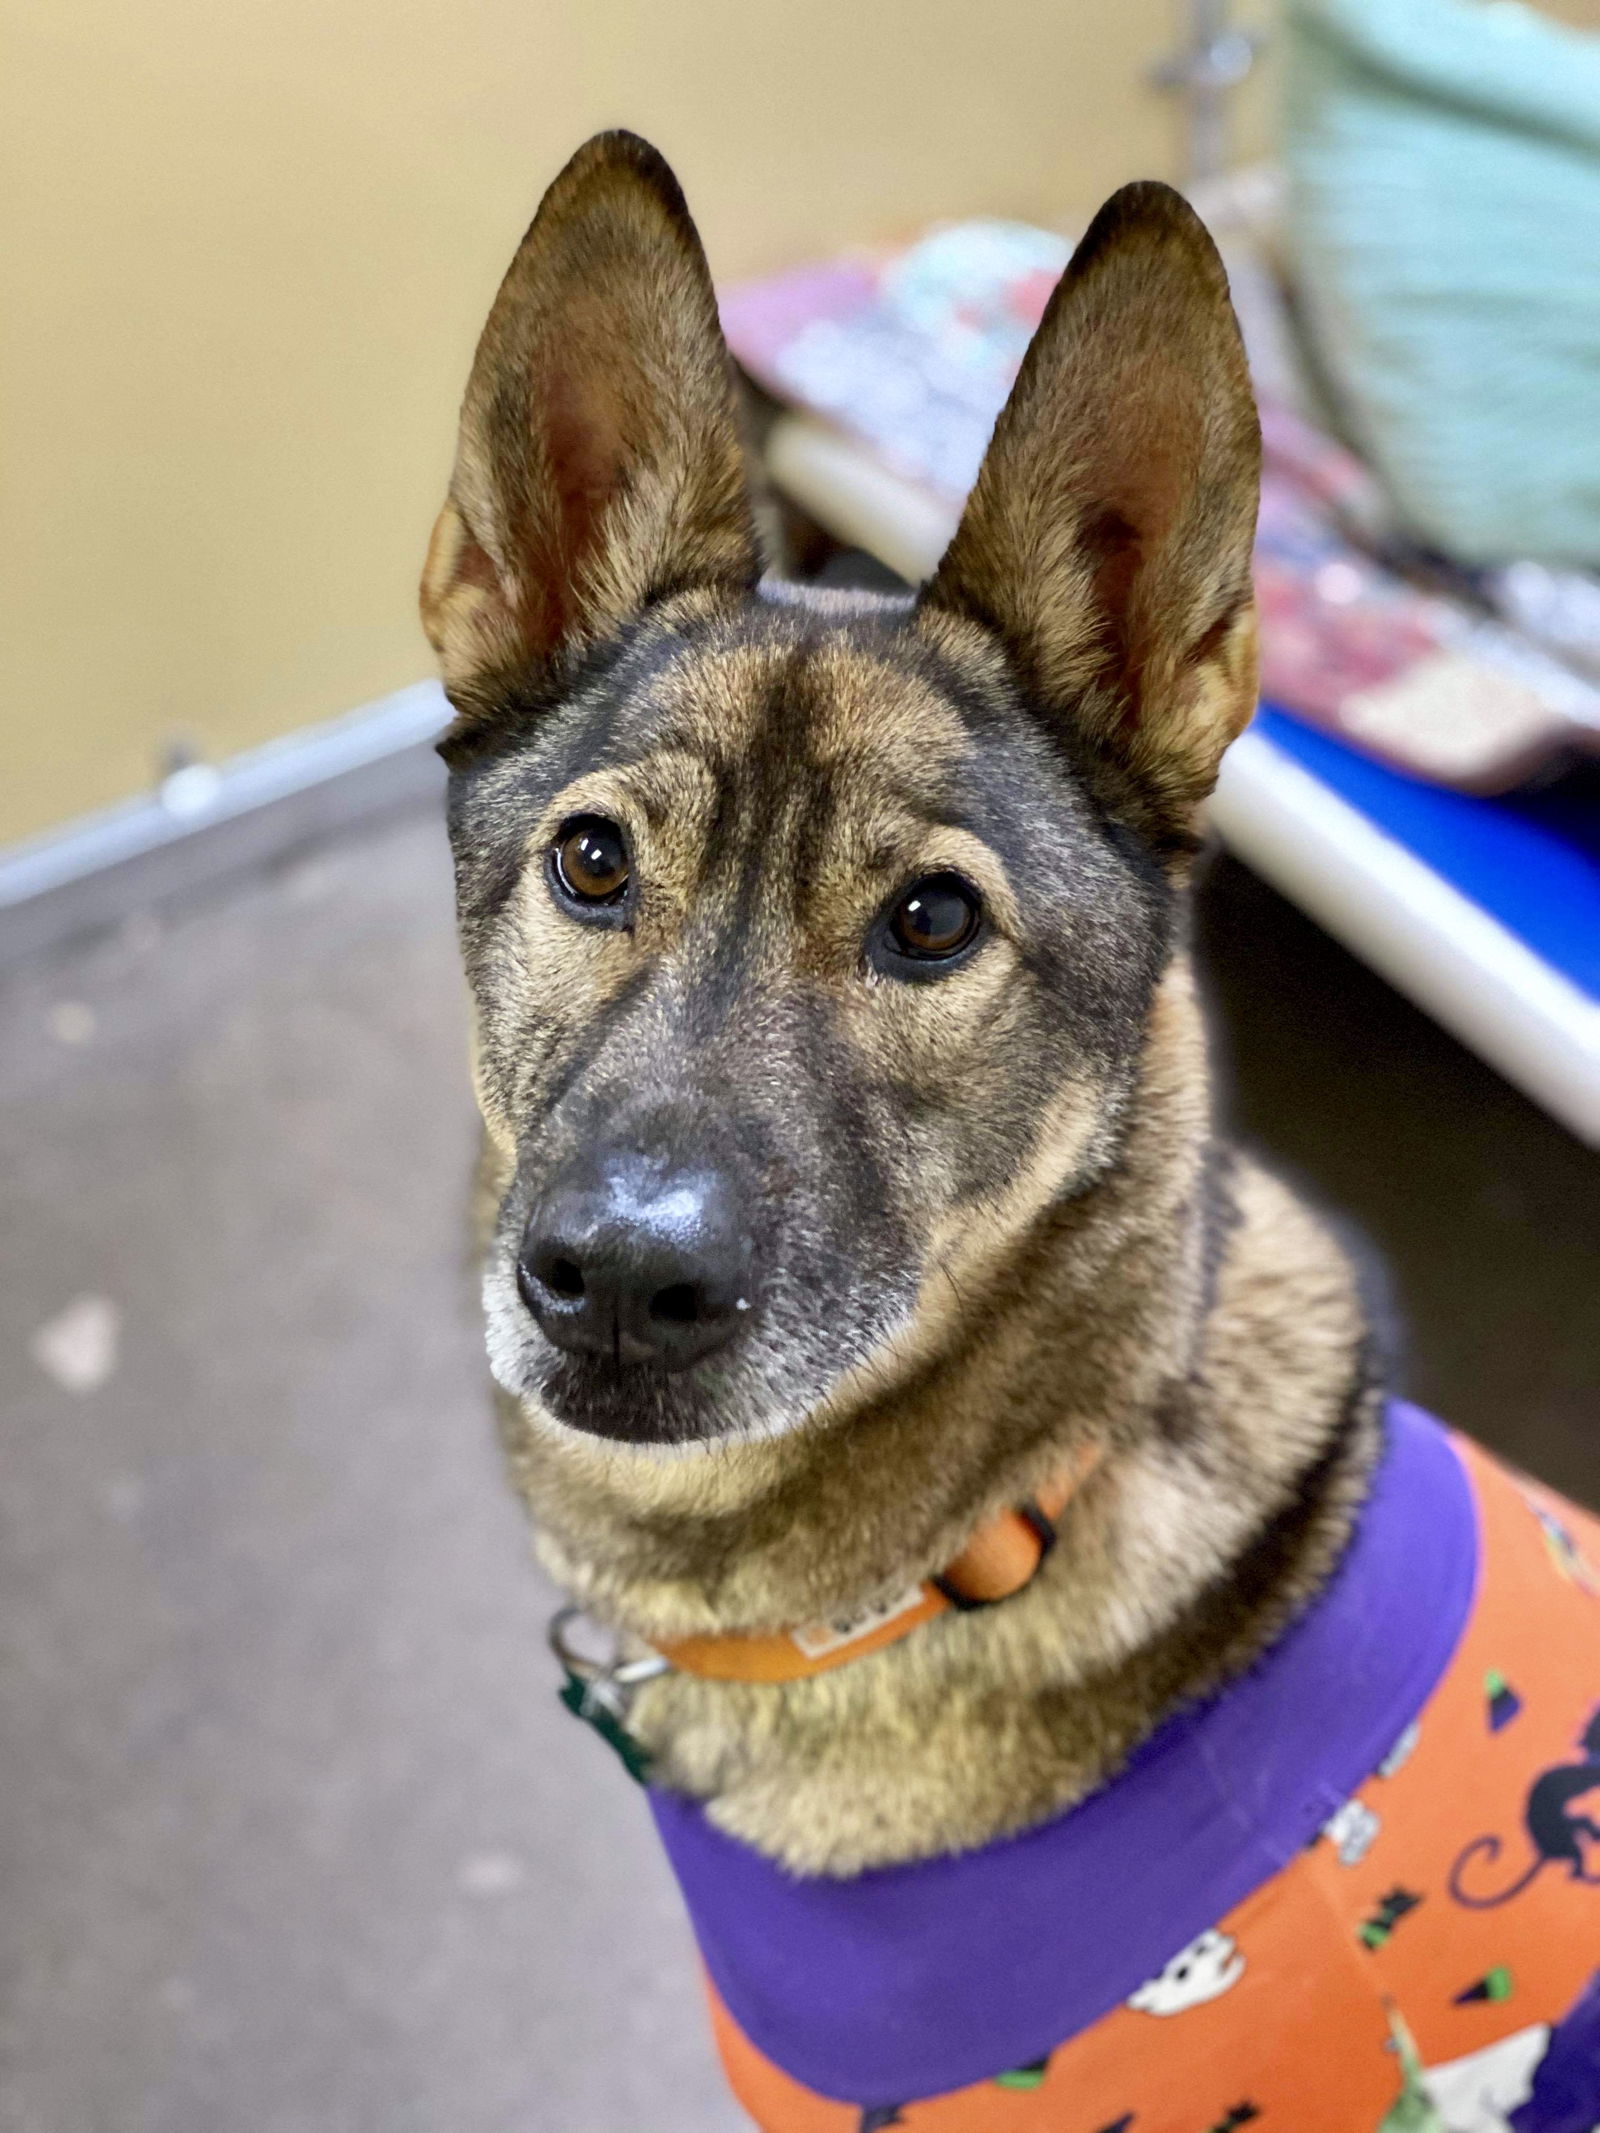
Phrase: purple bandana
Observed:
(911, 1980)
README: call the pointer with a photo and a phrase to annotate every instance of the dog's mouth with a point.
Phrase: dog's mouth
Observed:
(649, 1389)
(639, 1403)
(777, 1366)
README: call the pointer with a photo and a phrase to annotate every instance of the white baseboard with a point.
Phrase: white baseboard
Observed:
(208, 821)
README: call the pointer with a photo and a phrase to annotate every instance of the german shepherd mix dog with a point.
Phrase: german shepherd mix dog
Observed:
(855, 1228)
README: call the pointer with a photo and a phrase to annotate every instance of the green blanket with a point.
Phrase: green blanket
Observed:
(1444, 165)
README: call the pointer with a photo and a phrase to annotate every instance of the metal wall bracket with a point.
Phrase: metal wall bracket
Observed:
(1203, 74)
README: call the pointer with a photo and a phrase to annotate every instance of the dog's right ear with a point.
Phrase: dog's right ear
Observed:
(599, 464)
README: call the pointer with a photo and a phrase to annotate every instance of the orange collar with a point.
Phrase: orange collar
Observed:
(1002, 1558)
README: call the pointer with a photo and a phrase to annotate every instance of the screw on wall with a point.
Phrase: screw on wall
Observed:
(185, 786)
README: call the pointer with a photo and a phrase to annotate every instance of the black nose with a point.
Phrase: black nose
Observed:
(636, 1259)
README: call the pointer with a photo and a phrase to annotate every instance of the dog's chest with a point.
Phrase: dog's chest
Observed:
(1369, 1876)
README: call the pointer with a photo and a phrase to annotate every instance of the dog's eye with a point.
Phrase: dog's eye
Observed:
(935, 919)
(590, 860)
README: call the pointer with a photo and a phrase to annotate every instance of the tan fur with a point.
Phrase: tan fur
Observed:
(1079, 1261)
(980, 1724)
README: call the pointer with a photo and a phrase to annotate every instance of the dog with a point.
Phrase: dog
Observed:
(1019, 1569)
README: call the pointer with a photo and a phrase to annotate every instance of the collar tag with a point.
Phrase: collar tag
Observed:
(816, 1639)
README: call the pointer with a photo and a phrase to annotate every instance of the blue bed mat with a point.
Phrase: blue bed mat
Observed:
(1532, 860)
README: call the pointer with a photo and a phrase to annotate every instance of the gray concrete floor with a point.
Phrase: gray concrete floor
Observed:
(293, 1836)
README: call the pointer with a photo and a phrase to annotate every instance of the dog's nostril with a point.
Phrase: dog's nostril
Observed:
(565, 1276)
(678, 1305)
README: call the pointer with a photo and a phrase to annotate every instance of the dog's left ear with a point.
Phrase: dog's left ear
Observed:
(599, 464)
(1108, 538)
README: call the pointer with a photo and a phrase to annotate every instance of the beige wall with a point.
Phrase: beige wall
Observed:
(248, 246)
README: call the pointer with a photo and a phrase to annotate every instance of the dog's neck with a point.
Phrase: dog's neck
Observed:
(1188, 1316)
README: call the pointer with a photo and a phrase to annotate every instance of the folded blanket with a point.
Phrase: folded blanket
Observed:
(1444, 165)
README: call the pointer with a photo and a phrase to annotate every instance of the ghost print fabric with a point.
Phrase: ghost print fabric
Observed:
(1430, 1963)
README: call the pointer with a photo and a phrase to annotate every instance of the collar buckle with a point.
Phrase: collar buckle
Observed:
(1040, 1525)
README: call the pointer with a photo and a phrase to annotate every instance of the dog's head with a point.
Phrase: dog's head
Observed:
(812, 937)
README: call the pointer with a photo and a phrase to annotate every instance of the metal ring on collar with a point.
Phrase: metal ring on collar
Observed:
(614, 1673)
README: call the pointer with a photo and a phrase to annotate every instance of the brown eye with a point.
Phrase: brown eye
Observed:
(935, 919)
(590, 860)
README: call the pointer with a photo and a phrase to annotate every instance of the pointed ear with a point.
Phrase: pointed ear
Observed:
(599, 464)
(1108, 538)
